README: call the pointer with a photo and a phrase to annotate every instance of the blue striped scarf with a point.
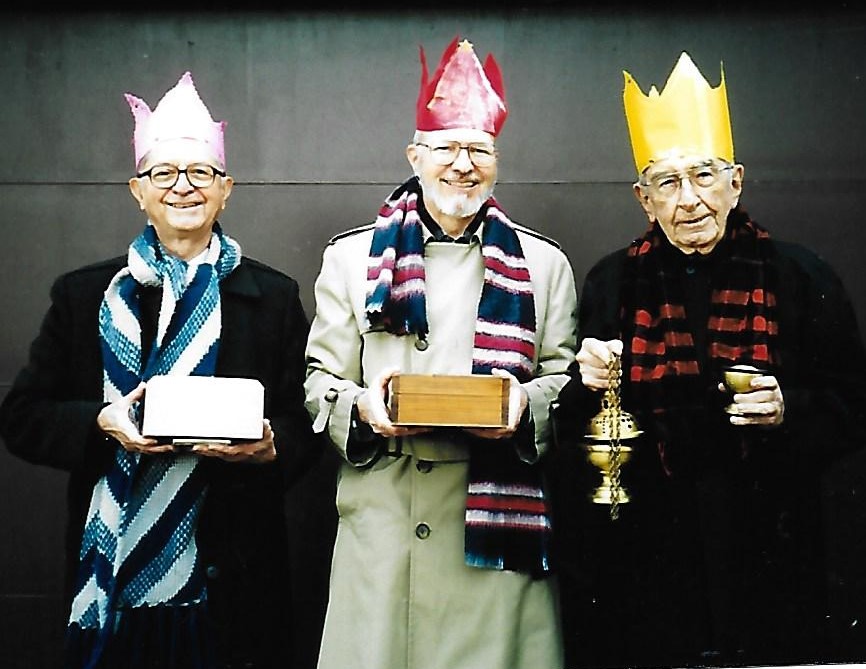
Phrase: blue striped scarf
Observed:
(138, 547)
(507, 518)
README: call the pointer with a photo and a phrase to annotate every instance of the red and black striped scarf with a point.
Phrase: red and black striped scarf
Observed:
(742, 325)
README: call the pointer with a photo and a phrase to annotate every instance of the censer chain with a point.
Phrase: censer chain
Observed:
(614, 413)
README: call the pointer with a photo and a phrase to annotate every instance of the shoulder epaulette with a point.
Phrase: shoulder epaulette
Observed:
(349, 233)
(536, 234)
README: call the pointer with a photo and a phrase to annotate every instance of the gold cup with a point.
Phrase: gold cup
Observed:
(738, 378)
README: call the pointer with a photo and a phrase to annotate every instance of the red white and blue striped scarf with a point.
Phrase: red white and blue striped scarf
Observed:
(507, 518)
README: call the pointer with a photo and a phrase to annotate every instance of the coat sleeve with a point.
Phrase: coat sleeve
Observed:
(598, 317)
(556, 347)
(823, 359)
(49, 415)
(297, 446)
(333, 356)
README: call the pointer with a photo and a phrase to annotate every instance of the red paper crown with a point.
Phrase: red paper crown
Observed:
(461, 93)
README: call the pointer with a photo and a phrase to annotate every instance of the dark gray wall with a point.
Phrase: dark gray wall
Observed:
(320, 106)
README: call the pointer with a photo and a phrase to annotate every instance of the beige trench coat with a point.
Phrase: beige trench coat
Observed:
(401, 596)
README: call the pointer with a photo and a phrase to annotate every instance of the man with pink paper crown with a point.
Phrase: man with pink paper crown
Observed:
(176, 559)
(716, 557)
(442, 553)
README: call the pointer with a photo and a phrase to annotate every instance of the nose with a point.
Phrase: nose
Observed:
(688, 195)
(182, 184)
(462, 163)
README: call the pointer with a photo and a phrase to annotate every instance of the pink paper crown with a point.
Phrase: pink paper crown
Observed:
(179, 115)
(461, 93)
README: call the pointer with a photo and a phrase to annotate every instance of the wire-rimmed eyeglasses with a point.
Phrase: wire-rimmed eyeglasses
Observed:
(705, 175)
(480, 153)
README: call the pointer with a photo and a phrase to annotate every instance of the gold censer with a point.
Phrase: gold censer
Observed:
(605, 434)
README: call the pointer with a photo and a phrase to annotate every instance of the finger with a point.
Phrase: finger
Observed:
(603, 350)
(594, 378)
(136, 393)
(157, 448)
(593, 350)
(386, 375)
(756, 408)
(489, 432)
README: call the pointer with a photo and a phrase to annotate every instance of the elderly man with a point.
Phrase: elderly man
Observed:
(441, 557)
(177, 558)
(715, 553)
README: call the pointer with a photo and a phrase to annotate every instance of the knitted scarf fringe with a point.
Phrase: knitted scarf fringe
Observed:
(138, 546)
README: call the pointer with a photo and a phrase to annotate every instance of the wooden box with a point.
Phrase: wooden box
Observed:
(441, 400)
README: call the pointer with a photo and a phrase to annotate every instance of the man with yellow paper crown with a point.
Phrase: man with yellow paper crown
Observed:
(714, 556)
(441, 559)
(176, 559)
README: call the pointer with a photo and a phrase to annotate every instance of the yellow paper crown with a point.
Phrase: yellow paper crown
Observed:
(687, 116)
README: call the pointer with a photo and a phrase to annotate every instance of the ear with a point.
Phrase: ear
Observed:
(228, 182)
(737, 181)
(413, 157)
(135, 189)
(644, 201)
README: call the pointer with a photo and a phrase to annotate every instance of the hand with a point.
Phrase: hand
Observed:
(517, 401)
(116, 421)
(593, 358)
(762, 405)
(254, 452)
(372, 409)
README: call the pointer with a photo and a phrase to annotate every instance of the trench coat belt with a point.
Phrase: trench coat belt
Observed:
(430, 447)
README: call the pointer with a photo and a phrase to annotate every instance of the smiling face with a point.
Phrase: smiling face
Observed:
(453, 192)
(183, 215)
(690, 196)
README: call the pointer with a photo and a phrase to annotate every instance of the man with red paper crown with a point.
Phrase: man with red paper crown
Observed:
(715, 557)
(442, 553)
(176, 559)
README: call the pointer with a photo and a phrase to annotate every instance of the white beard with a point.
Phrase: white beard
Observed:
(459, 206)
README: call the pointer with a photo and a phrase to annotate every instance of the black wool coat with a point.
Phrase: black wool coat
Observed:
(729, 551)
(49, 418)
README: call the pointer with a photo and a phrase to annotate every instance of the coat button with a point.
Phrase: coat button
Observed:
(422, 530)
(421, 344)
(424, 466)
(212, 571)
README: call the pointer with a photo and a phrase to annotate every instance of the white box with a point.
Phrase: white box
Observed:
(203, 409)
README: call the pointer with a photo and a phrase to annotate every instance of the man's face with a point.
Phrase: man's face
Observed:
(690, 196)
(452, 183)
(181, 210)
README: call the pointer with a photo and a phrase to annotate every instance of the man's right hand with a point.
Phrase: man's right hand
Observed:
(593, 358)
(372, 409)
(116, 421)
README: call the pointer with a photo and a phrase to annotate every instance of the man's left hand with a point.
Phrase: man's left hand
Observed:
(517, 401)
(762, 405)
(255, 452)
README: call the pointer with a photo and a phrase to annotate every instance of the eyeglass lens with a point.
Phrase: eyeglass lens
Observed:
(480, 155)
(200, 175)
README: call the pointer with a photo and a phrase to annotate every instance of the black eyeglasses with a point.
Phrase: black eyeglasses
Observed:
(199, 175)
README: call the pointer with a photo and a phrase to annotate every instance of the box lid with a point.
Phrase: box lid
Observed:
(203, 407)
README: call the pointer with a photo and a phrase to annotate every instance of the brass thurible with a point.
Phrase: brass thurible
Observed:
(604, 446)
